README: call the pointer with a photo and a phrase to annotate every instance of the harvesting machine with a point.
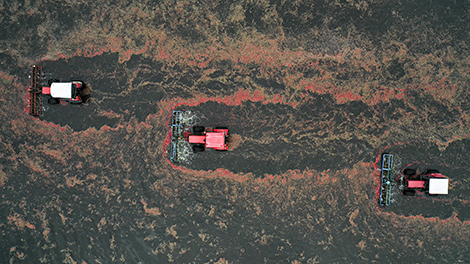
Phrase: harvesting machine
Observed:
(199, 139)
(430, 182)
(74, 92)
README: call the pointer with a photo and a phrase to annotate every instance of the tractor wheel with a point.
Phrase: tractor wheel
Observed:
(198, 148)
(75, 102)
(83, 84)
(409, 172)
(53, 101)
(198, 130)
(52, 81)
(409, 192)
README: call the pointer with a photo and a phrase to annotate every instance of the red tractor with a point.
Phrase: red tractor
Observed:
(199, 140)
(430, 182)
(208, 138)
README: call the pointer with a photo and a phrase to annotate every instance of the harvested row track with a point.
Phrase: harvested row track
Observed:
(273, 138)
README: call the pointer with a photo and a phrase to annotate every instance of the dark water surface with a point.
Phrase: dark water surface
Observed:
(319, 134)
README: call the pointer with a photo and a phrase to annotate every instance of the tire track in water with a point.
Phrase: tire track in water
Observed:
(276, 138)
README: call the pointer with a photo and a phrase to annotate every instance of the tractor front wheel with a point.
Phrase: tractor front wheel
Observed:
(198, 148)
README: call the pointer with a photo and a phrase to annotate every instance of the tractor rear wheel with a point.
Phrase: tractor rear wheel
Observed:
(198, 148)
(198, 130)
(52, 81)
(409, 192)
(53, 101)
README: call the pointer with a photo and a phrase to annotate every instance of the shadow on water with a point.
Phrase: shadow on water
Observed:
(78, 117)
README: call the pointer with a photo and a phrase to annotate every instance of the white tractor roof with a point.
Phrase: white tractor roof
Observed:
(438, 186)
(61, 90)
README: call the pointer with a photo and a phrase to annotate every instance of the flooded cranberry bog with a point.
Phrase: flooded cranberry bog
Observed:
(311, 101)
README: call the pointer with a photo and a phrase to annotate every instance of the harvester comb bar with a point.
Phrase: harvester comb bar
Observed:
(35, 90)
(387, 180)
(177, 137)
